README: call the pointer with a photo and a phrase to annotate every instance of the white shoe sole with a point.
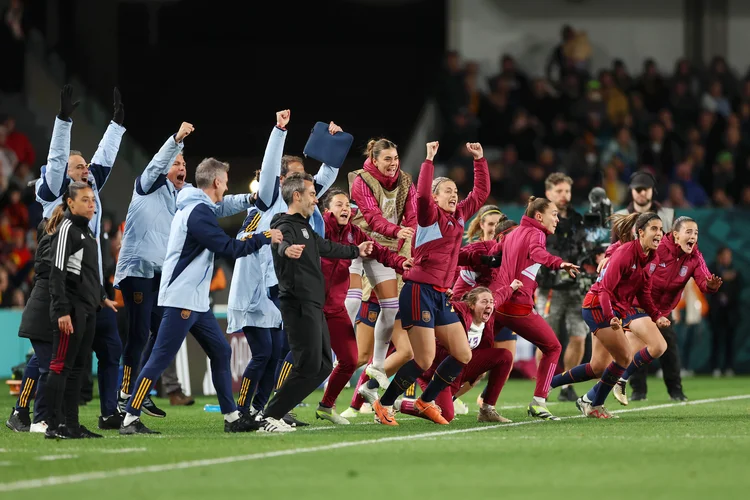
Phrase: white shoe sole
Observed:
(620, 395)
(370, 395)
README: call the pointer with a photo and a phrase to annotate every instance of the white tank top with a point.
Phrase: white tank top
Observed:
(475, 335)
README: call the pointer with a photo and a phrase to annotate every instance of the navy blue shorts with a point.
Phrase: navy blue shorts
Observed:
(368, 314)
(422, 305)
(594, 317)
(505, 334)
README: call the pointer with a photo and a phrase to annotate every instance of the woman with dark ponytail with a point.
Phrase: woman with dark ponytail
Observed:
(610, 306)
(76, 294)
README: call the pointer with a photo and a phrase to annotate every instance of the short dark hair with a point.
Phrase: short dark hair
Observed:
(286, 160)
(294, 183)
(330, 194)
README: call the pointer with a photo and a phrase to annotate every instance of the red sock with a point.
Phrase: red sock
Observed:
(336, 383)
(357, 400)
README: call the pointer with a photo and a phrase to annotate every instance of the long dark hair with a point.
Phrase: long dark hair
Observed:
(622, 225)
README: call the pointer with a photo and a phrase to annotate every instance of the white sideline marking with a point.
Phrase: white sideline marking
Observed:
(5, 463)
(27, 484)
(122, 450)
(50, 458)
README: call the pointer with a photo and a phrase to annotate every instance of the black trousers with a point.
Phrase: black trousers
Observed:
(724, 323)
(670, 365)
(310, 344)
(43, 352)
(66, 369)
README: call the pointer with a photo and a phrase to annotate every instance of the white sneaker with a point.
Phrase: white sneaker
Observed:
(717, 373)
(379, 375)
(370, 395)
(331, 415)
(350, 413)
(275, 425)
(729, 373)
(365, 409)
(459, 407)
(619, 392)
(39, 427)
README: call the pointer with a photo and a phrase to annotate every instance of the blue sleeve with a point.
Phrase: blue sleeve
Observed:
(157, 169)
(324, 179)
(104, 158)
(233, 204)
(270, 170)
(202, 226)
(51, 184)
(250, 224)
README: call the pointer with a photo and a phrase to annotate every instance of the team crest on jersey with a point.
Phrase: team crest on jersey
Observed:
(138, 297)
(683, 271)
(461, 221)
(652, 268)
(185, 314)
(350, 238)
(426, 316)
(372, 316)
(305, 233)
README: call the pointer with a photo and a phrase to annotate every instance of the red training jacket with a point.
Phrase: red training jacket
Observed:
(336, 271)
(524, 252)
(436, 245)
(624, 279)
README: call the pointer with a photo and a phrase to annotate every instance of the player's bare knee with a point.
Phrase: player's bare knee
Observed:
(659, 348)
(423, 361)
(463, 356)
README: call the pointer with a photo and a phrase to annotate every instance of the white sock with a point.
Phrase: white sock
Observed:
(622, 380)
(397, 404)
(565, 386)
(129, 419)
(353, 303)
(231, 417)
(586, 398)
(384, 331)
(485, 406)
(123, 395)
(540, 401)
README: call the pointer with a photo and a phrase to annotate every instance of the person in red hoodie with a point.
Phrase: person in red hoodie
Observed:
(476, 310)
(612, 304)
(339, 229)
(677, 260)
(523, 253)
(477, 266)
(386, 199)
(425, 309)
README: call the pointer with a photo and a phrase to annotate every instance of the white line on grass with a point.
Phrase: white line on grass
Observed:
(5, 463)
(27, 484)
(52, 458)
(122, 450)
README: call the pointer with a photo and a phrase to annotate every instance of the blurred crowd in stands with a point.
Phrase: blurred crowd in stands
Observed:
(690, 126)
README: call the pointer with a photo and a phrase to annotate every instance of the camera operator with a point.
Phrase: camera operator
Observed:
(560, 298)
(642, 185)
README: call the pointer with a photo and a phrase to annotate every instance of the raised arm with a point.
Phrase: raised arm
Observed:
(326, 175)
(159, 166)
(427, 210)
(61, 248)
(233, 204)
(104, 157)
(48, 188)
(270, 170)
(204, 228)
(368, 205)
(477, 196)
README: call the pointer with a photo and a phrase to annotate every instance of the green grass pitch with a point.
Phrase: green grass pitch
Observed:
(655, 450)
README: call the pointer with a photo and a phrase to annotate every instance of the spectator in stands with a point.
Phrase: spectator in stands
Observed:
(16, 210)
(693, 192)
(622, 78)
(724, 313)
(617, 191)
(683, 104)
(625, 149)
(557, 65)
(718, 70)
(18, 142)
(615, 100)
(687, 76)
(517, 81)
(714, 100)
(660, 152)
(676, 197)
(651, 86)
(5, 291)
(8, 159)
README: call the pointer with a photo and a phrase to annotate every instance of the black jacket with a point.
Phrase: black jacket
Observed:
(35, 320)
(302, 279)
(74, 261)
(567, 242)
